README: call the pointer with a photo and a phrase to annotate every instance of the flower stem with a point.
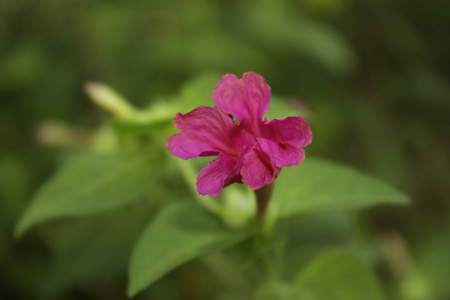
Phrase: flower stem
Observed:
(262, 201)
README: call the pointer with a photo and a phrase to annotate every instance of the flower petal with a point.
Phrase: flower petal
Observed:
(219, 173)
(281, 153)
(247, 99)
(293, 130)
(257, 169)
(258, 92)
(186, 146)
(284, 140)
(204, 131)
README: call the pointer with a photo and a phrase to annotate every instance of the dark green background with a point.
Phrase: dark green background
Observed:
(372, 77)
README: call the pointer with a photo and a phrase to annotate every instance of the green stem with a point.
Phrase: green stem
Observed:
(262, 201)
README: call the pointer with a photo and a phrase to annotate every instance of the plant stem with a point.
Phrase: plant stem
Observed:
(262, 201)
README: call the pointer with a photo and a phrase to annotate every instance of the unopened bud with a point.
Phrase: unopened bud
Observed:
(108, 99)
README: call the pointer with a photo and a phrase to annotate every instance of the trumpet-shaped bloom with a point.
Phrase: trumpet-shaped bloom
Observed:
(250, 151)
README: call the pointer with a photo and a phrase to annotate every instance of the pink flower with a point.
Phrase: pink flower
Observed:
(252, 150)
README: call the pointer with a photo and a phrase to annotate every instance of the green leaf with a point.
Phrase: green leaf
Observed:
(84, 250)
(282, 291)
(339, 275)
(307, 236)
(430, 279)
(91, 183)
(180, 233)
(318, 185)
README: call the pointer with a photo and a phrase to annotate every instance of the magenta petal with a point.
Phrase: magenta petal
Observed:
(230, 96)
(247, 99)
(216, 175)
(284, 141)
(252, 151)
(293, 130)
(205, 130)
(258, 92)
(257, 170)
(282, 154)
(186, 146)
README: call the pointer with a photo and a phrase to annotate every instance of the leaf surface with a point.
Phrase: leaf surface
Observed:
(339, 275)
(282, 291)
(91, 183)
(178, 234)
(318, 185)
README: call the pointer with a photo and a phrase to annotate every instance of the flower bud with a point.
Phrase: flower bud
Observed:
(108, 99)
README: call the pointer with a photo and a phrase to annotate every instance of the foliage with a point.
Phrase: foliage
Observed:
(100, 182)
(94, 191)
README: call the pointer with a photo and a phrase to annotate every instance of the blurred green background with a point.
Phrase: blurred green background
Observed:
(372, 77)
